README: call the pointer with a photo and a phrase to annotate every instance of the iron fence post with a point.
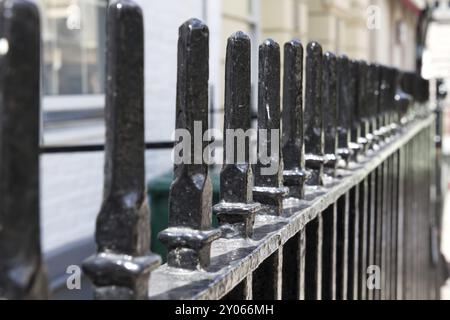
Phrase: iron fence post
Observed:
(313, 121)
(269, 189)
(294, 172)
(330, 106)
(344, 111)
(236, 178)
(330, 102)
(22, 274)
(189, 235)
(355, 112)
(314, 159)
(122, 266)
(353, 207)
(361, 130)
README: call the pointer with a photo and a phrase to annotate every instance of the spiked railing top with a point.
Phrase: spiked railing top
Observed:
(391, 79)
(293, 148)
(124, 189)
(189, 203)
(344, 110)
(384, 90)
(362, 90)
(269, 112)
(371, 106)
(314, 137)
(192, 84)
(269, 85)
(330, 101)
(355, 112)
(236, 182)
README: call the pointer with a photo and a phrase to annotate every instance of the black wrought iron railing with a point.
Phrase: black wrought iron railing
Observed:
(349, 212)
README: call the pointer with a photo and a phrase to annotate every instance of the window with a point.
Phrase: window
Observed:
(73, 69)
(74, 40)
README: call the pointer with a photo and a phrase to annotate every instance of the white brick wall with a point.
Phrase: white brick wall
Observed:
(71, 188)
(71, 185)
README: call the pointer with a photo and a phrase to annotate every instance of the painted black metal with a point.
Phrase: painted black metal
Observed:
(329, 244)
(269, 189)
(353, 244)
(371, 232)
(344, 109)
(355, 112)
(363, 240)
(343, 207)
(370, 105)
(21, 272)
(313, 259)
(314, 129)
(293, 148)
(160, 145)
(266, 280)
(189, 235)
(319, 241)
(293, 268)
(360, 131)
(236, 178)
(122, 266)
(383, 112)
(330, 111)
(375, 82)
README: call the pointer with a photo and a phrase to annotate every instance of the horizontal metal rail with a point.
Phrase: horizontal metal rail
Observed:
(233, 260)
(159, 145)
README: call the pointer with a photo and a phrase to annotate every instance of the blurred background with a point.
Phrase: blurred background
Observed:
(392, 32)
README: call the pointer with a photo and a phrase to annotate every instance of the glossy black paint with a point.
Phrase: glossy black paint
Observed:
(122, 266)
(236, 178)
(269, 189)
(314, 129)
(22, 275)
(189, 235)
(293, 147)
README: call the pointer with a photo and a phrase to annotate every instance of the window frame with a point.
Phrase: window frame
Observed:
(66, 104)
